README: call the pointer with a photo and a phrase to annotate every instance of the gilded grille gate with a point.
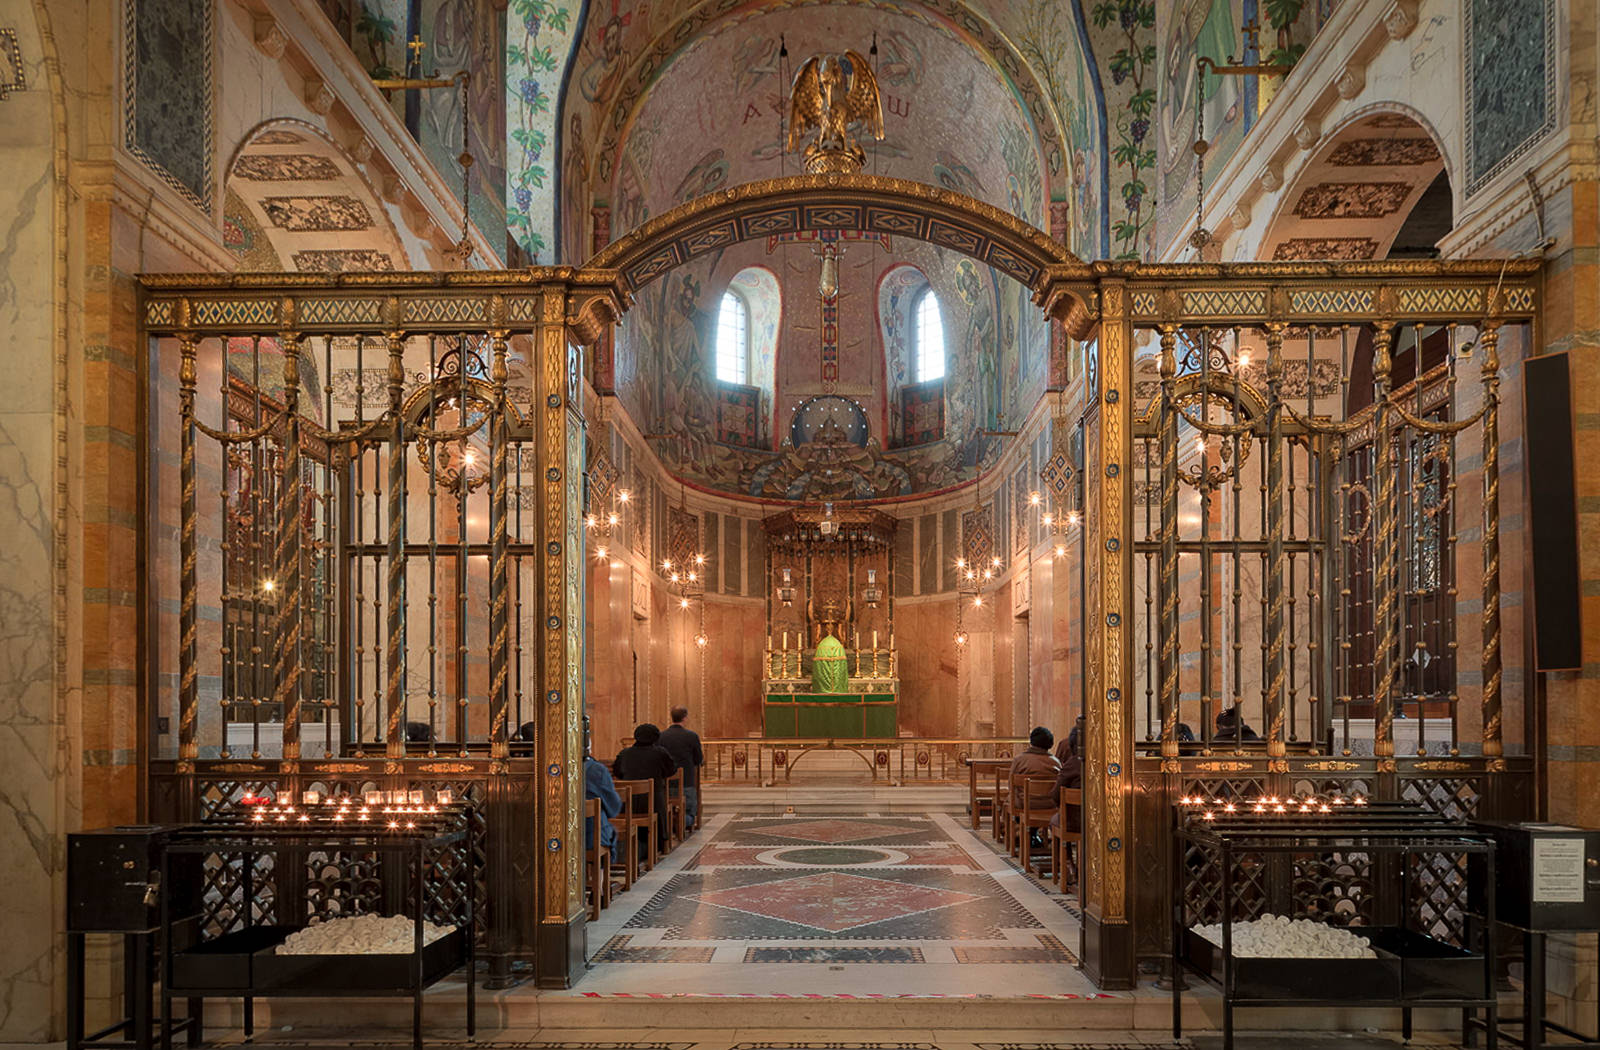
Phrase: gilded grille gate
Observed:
(362, 577)
(1307, 469)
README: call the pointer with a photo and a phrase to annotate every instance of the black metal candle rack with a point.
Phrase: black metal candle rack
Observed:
(1351, 863)
(400, 858)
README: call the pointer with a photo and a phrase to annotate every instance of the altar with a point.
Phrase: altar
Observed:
(868, 706)
(828, 671)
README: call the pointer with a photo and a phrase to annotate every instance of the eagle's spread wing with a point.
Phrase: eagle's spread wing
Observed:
(863, 103)
(805, 103)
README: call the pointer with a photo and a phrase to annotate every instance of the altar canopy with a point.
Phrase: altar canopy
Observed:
(830, 606)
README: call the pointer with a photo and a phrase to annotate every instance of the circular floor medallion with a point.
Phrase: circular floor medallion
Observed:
(831, 857)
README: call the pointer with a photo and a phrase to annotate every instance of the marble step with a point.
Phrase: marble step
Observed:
(526, 1010)
(837, 799)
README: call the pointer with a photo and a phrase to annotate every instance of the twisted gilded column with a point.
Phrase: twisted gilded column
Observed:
(1167, 669)
(189, 580)
(1385, 537)
(1490, 341)
(287, 555)
(1275, 558)
(394, 684)
(499, 637)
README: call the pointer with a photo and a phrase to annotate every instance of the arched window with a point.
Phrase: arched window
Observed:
(929, 335)
(733, 339)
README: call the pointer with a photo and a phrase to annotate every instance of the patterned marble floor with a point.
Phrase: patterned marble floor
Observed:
(888, 904)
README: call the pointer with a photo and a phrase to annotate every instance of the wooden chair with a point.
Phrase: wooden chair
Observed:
(1065, 844)
(675, 810)
(633, 819)
(999, 825)
(597, 862)
(980, 796)
(1024, 814)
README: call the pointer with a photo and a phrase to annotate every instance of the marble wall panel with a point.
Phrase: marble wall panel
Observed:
(929, 694)
(1510, 81)
(39, 773)
(169, 87)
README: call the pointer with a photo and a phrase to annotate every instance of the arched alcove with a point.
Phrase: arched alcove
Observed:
(916, 407)
(1355, 196)
(296, 201)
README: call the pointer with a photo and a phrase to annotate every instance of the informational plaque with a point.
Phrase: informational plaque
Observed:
(1557, 870)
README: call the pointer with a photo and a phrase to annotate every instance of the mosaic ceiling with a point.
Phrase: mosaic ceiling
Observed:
(994, 99)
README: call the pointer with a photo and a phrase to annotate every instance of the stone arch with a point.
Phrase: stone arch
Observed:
(295, 200)
(1352, 198)
(800, 203)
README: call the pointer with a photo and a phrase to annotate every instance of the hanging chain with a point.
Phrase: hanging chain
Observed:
(464, 248)
(1201, 236)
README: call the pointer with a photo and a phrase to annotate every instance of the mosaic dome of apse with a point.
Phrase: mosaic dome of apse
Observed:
(712, 116)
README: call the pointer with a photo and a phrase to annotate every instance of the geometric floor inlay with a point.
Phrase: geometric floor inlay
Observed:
(828, 831)
(834, 901)
(833, 955)
(835, 906)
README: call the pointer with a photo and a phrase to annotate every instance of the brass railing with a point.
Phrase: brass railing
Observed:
(905, 760)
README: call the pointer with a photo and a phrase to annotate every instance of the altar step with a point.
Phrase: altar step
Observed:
(843, 799)
(526, 1010)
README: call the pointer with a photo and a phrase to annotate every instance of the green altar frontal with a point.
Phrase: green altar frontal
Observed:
(860, 715)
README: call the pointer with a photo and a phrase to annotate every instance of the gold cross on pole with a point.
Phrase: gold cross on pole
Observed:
(416, 47)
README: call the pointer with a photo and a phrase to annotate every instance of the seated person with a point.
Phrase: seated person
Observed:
(1185, 734)
(1071, 776)
(1037, 761)
(1231, 726)
(597, 783)
(1073, 744)
(646, 761)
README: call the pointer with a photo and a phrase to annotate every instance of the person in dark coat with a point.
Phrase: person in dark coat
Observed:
(1231, 726)
(683, 744)
(1071, 776)
(646, 761)
(597, 783)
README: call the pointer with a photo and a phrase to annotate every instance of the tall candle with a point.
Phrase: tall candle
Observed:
(786, 640)
(874, 641)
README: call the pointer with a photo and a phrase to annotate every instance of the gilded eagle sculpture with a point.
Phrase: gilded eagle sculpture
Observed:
(830, 93)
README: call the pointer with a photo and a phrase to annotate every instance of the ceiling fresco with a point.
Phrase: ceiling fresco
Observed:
(997, 99)
(725, 92)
